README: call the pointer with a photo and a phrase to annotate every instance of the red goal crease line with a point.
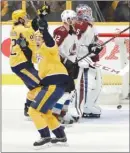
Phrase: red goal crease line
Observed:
(113, 35)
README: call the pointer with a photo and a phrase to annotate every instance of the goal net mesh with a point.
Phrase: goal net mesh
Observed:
(116, 55)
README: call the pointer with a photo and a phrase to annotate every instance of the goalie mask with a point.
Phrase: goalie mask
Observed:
(84, 12)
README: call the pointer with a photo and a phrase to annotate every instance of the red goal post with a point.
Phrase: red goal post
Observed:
(114, 34)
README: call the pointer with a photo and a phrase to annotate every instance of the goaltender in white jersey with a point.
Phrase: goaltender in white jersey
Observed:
(92, 82)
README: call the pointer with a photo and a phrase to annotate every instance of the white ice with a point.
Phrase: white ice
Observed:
(110, 133)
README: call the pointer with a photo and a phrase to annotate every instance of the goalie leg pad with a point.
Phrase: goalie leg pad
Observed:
(94, 88)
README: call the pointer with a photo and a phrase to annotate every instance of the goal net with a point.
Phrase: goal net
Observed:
(116, 56)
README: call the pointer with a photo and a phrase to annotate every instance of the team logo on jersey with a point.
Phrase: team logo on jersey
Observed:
(39, 58)
(72, 50)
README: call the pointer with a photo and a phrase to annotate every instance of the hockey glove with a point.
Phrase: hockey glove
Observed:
(22, 42)
(72, 68)
(24, 47)
(75, 71)
(43, 25)
(44, 10)
(34, 24)
(43, 28)
(95, 48)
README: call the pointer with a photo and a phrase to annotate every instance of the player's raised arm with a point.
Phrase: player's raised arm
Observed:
(39, 23)
(41, 13)
(43, 28)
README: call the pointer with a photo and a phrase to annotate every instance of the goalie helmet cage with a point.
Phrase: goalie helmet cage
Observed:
(115, 54)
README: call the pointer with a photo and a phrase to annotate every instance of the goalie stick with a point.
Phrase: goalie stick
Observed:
(76, 94)
(108, 69)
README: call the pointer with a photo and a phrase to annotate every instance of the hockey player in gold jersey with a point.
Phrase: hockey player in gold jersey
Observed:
(54, 78)
(23, 49)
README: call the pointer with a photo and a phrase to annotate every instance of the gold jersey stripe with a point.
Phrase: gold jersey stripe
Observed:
(30, 75)
(46, 96)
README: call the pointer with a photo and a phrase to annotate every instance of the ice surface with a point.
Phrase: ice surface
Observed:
(110, 133)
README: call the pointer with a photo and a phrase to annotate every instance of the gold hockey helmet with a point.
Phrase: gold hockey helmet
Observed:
(18, 14)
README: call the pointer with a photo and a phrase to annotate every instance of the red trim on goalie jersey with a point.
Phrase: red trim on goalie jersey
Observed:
(81, 91)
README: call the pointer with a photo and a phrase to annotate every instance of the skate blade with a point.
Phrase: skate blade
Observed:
(47, 145)
(64, 144)
(27, 119)
(91, 117)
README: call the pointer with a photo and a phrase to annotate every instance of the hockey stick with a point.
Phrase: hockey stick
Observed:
(34, 8)
(103, 43)
(75, 95)
(108, 69)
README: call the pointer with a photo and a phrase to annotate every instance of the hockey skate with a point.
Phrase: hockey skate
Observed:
(27, 117)
(90, 115)
(93, 112)
(59, 140)
(42, 143)
(26, 111)
(60, 136)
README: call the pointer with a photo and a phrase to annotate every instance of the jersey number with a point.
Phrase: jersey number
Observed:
(32, 37)
(14, 43)
(57, 38)
(78, 32)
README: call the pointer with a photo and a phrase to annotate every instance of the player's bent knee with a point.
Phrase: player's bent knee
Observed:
(33, 93)
(33, 112)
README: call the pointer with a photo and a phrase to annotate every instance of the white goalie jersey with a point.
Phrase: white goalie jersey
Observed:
(91, 78)
(85, 36)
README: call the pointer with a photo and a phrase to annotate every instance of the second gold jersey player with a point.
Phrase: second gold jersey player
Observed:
(54, 78)
(23, 48)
